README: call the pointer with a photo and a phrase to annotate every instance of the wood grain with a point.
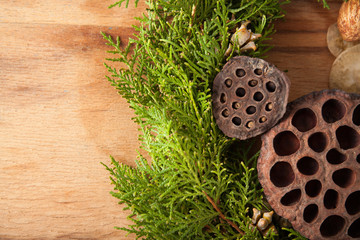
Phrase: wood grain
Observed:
(59, 117)
(300, 45)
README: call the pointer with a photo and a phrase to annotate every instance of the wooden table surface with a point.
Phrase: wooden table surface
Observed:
(59, 117)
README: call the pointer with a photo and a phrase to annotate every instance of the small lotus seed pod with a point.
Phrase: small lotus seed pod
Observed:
(249, 97)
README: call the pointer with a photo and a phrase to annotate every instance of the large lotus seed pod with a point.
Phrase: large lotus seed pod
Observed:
(249, 97)
(309, 165)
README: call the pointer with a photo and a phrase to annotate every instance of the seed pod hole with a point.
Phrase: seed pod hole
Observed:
(344, 177)
(347, 137)
(286, 143)
(262, 119)
(251, 110)
(258, 96)
(240, 92)
(270, 86)
(236, 105)
(223, 98)
(250, 124)
(225, 113)
(253, 83)
(282, 174)
(310, 213)
(356, 116)
(332, 225)
(258, 71)
(304, 119)
(354, 229)
(352, 203)
(313, 188)
(307, 166)
(269, 106)
(236, 121)
(317, 142)
(358, 158)
(331, 199)
(228, 82)
(291, 197)
(335, 157)
(240, 72)
(333, 110)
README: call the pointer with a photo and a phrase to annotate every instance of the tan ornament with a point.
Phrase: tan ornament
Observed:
(349, 20)
(345, 71)
(335, 42)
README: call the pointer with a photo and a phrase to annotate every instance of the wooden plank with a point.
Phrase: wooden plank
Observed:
(69, 12)
(60, 118)
(300, 45)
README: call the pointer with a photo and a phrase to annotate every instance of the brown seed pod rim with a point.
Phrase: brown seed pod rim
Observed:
(269, 72)
(266, 161)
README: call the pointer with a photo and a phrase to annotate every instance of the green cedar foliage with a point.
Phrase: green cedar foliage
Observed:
(194, 186)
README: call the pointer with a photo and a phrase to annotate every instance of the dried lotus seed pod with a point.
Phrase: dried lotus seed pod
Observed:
(309, 165)
(249, 97)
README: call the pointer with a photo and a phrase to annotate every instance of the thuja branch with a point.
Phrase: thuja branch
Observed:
(176, 54)
(221, 215)
(170, 65)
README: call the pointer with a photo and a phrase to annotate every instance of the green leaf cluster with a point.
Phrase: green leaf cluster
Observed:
(166, 73)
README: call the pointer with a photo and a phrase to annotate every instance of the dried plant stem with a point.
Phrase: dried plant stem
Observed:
(221, 215)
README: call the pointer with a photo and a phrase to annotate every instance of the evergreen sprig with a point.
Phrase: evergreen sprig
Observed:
(192, 186)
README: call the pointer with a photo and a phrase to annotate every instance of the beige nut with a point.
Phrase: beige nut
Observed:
(349, 20)
(335, 42)
(345, 71)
